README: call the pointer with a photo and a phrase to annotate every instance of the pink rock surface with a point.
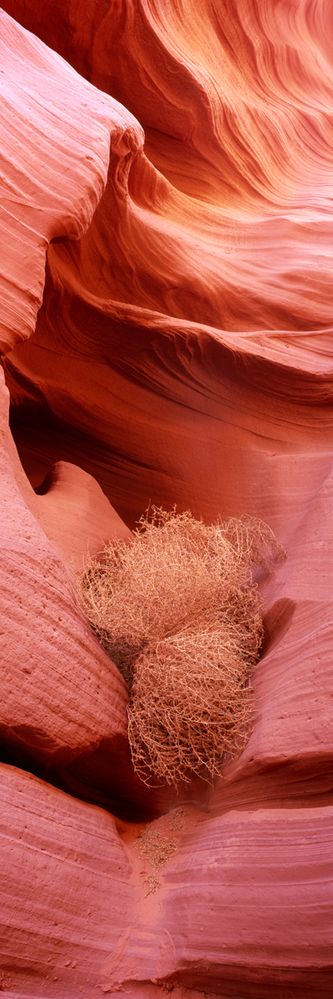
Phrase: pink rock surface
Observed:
(65, 890)
(231, 906)
(206, 273)
(63, 702)
(84, 913)
(182, 353)
(54, 166)
(76, 514)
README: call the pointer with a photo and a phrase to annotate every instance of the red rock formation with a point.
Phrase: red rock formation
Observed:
(234, 896)
(54, 166)
(239, 242)
(63, 703)
(64, 874)
(182, 354)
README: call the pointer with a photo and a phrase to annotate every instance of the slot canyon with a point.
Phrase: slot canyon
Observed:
(166, 242)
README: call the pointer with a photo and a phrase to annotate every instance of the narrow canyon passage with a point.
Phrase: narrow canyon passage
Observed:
(166, 337)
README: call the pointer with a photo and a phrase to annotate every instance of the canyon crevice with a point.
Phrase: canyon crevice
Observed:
(166, 336)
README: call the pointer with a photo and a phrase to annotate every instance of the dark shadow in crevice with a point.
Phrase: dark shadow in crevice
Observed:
(277, 622)
(103, 775)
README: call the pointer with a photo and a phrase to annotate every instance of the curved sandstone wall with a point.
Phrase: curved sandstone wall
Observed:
(166, 332)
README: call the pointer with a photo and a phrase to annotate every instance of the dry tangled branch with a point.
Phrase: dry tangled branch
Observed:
(179, 612)
(188, 705)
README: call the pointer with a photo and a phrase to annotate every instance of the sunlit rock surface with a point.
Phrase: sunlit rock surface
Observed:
(174, 201)
(55, 138)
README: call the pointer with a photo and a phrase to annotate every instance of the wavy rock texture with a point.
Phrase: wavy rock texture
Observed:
(63, 703)
(54, 166)
(65, 892)
(182, 354)
(220, 903)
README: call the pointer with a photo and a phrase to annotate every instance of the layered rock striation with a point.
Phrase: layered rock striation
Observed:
(166, 329)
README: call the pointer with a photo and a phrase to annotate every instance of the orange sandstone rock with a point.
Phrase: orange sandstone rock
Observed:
(182, 354)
